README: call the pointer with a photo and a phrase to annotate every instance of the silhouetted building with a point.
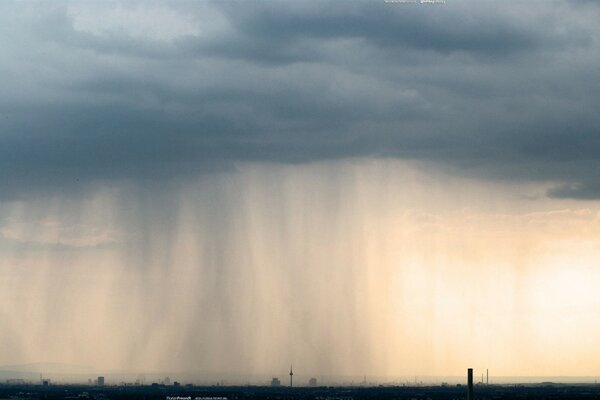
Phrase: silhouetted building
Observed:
(46, 382)
(291, 375)
(470, 384)
(275, 382)
(177, 384)
(100, 381)
(312, 382)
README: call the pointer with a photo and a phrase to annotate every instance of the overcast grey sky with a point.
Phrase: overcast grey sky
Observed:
(226, 186)
(103, 91)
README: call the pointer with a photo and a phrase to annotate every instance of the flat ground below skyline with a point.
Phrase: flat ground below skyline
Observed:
(540, 391)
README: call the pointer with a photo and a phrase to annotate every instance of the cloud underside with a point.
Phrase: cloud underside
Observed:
(146, 91)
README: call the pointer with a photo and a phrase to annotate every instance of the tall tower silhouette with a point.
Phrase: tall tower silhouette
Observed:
(470, 384)
(291, 375)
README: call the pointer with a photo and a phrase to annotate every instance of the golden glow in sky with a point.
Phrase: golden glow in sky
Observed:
(347, 268)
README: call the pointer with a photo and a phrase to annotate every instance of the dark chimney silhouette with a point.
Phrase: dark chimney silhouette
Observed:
(470, 384)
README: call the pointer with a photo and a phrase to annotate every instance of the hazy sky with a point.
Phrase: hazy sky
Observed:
(353, 187)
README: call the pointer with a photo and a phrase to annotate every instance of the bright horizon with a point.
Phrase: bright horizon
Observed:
(478, 282)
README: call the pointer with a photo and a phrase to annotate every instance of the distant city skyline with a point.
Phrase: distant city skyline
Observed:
(54, 374)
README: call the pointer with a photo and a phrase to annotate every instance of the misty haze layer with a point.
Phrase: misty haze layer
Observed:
(361, 267)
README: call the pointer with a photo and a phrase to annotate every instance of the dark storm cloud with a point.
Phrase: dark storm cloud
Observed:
(495, 90)
(442, 29)
(586, 190)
